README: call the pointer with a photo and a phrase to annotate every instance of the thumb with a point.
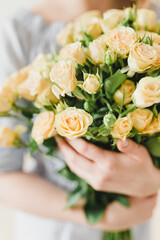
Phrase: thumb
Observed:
(132, 149)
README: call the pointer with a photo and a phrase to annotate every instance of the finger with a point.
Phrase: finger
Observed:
(91, 151)
(132, 149)
(83, 167)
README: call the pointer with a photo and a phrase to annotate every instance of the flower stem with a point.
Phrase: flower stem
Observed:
(126, 235)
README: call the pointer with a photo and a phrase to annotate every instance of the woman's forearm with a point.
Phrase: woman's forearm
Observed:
(35, 195)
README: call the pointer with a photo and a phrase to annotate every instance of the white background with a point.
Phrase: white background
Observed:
(8, 7)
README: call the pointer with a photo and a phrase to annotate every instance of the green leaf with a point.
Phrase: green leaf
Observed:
(156, 162)
(94, 212)
(104, 131)
(156, 73)
(123, 200)
(74, 197)
(112, 83)
(78, 93)
(48, 107)
(89, 106)
(153, 146)
(51, 146)
(155, 112)
(129, 110)
(33, 146)
(87, 39)
(65, 172)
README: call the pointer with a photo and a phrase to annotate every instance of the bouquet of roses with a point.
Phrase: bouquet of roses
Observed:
(103, 85)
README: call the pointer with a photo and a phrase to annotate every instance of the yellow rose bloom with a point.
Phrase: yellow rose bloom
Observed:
(122, 128)
(152, 35)
(153, 127)
(46, 97)
(65, 36)
(97, 49)
(145, 19)
(73, 50)
(121, 39)
(7, 137)
(111, 18)
(43, 127)
(63, 75)
(42, 65)
(35, 83)
(7, 98)
(156, 63)
(141, 57)
(73, 122)
(129, 87)
(91, 84)
(15, 79)
(23, 92)
(147, 92)
(90, 22)
(141, 118)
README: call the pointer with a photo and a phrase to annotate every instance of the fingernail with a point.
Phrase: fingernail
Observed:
(125, 143)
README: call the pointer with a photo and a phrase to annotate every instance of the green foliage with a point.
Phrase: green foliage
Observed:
(112, 83)
(87, 39)
(94, 211)
(48, 107)
(51, 146)
(33, 146)
(123, 200)
(79, 94)
(104, 131)
(155, 111)
(129, 21)
(153, 146)
(27, 109)
(89, 106)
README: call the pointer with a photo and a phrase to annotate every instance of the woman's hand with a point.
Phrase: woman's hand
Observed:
(130, 172)
(119, 218)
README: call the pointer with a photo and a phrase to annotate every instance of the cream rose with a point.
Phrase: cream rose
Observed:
(153, 127)
(156, 64)
(7, 98)
(145, 19)
(73, 50)
(141, 118)
(90, 22)
(43, 65)
(97, 49)
(129, 87)
(152, 35)
(91, 84)
(46, 97)
(141, 57)
(43, 127)
(121, 39)
(65, 36)
(122, 128)
(111, 18)
(73, 122)
(35, 83)
(23, 92)
(15, 79)
(7, 137)
(147, 92)
(63, 75)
